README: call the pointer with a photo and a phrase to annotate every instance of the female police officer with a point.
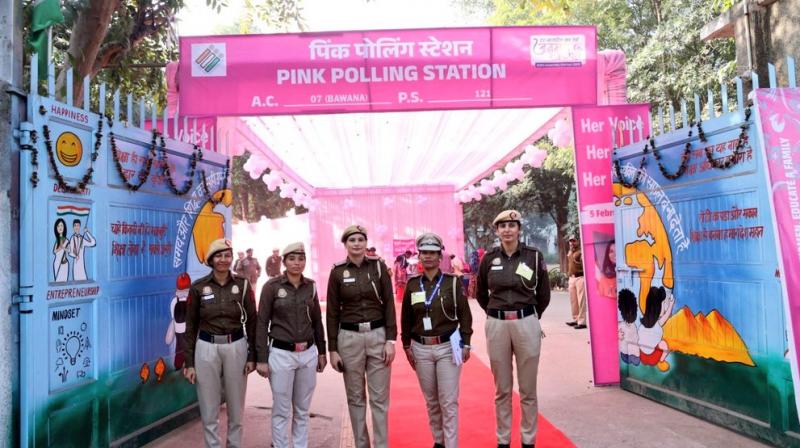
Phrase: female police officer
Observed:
(361, 334)
(437, 325)
(514, 290)
(220, 342)
(290, 346)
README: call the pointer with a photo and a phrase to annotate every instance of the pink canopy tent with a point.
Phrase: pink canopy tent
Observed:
(395, 173)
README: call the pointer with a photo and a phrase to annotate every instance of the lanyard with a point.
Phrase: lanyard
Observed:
(429, 300)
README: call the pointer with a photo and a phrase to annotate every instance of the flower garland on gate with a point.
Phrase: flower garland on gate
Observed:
(197, 154)
(687, 150)
(638, 177)
(34, 158)
(224, 184)
(741, 141)
(87, 177)
(144, 173)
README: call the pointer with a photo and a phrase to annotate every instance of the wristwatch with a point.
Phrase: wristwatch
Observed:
(466, 346)
(391, 342)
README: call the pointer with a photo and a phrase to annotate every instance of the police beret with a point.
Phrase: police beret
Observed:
(429, 241)
(507, 216)
(351, 230)
(216, 247)
(294, 248)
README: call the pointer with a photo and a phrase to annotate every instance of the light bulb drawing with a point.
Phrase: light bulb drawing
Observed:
(73, 347)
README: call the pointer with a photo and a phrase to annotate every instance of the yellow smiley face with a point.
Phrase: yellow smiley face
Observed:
(69, 149)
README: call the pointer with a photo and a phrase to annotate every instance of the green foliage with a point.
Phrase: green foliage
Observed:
(251, 197)
(126, 43)
(667, 61)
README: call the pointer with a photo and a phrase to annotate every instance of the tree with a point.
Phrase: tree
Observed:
(252, 199)
(667, 61)
(124, 43)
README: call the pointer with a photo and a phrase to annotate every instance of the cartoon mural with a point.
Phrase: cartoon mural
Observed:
(110, 225)
(700, 320)
(648, 253)
(69, 256)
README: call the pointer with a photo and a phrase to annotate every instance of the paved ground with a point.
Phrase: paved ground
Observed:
(590, 416)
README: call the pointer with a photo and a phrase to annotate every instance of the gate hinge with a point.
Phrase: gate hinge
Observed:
(17, 299)
(24, 135)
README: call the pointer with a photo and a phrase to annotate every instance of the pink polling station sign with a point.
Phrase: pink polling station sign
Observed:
(389, 70)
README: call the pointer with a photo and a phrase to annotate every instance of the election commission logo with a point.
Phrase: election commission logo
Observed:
(209, 59)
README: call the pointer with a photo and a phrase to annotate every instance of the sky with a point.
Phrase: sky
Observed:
(338, 15)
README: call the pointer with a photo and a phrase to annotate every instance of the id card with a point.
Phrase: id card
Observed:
(417, 297)
(524, 271)
(427, 325)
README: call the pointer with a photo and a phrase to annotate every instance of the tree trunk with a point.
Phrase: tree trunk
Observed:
(88, 35)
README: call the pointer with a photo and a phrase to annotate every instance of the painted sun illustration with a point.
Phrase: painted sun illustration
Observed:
(69, 149)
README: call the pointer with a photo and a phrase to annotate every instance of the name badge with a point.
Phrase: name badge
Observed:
(348, 280)
(427, 325)
(208, 296)
(524, 271)
(497, 268)
(417, 297)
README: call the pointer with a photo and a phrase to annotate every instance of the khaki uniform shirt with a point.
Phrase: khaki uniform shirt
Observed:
(575, 260)
(274, 266)
(450, 296)
(288, 314)
(501, 286)
(216, 309)
(360, 294)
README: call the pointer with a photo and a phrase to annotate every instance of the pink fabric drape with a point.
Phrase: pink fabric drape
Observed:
(388, 213)
(611, 73)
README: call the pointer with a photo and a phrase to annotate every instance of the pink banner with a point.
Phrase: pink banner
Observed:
(779, 124)
(360, 71)
(399, 247)
(593, 127)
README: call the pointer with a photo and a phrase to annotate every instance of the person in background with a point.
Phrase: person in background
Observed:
(514, 290)
(220, 342)
(577, 286)
(437, 326)
(458, 266)
(290, 346)
(400, 275)
(446, 265)
(250, 267)
(362, 329)
(273, 264)
(237, 266)
(607, 274)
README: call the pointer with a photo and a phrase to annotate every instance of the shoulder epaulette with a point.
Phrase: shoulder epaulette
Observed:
(417, 275)
(340, 263)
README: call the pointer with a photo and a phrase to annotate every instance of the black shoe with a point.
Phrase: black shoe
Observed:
(528, 445)
(438, 445)
(571, 324)
(503, 445)
(579, 327)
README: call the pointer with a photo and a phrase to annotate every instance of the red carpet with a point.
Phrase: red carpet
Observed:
(408, 419)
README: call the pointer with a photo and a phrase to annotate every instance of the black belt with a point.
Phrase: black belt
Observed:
(220, 338)
(292, 346)
(529, 310)
(433, 340)
(363, 326)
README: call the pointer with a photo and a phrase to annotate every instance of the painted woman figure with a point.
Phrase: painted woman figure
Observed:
(60, 263)
(607, 273)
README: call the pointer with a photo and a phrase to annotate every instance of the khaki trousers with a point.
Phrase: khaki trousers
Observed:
(292, 378)
(521, 339)
(439, 380)
(215, 363)
(577, 298)
(362, 354)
